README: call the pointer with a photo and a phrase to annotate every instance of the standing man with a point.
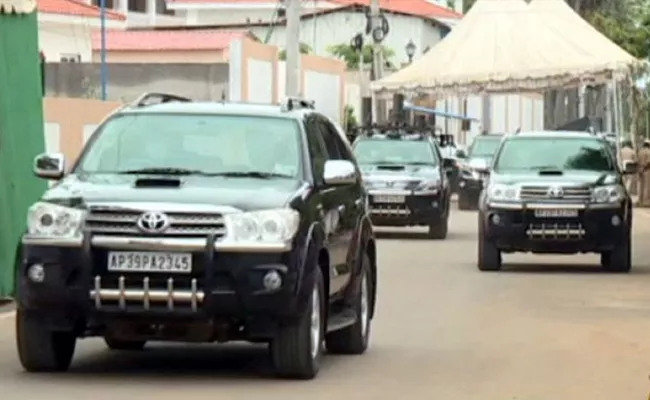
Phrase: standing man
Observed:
(627, 155)
(644, 175)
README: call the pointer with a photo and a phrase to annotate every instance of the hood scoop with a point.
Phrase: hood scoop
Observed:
(391, 167)
(551, 172)
(157, 183)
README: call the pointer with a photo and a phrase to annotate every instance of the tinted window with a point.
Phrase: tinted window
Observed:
(484, 146)
(317, 150)
(381, 151)
(209, 143)
(333, 136)
(562, 153)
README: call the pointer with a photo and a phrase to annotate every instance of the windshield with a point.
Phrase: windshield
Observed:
(394, 152)
(484, 147)
(554, 154)
(209, 144)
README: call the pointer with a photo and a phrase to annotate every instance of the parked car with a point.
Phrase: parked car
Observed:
(407, 179)
(201, 222)
(474, 169)
(557, 193)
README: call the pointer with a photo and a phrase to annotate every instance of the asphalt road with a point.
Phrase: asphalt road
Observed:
(547, 327)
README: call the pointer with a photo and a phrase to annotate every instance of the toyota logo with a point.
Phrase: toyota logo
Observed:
(556, 193)
(153, 222)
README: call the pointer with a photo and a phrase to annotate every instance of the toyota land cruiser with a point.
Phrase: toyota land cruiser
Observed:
(555, 192)
(407, 180)
(201, 222)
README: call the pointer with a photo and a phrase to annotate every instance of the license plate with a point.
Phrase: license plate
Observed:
(132, 261)
(388, 199)
(556, 213)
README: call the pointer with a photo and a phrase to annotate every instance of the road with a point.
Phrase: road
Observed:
(545, 328)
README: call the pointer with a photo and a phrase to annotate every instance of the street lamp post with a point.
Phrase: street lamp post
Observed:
(410, 50)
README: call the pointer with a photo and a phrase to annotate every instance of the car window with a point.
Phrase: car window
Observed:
(379, 151)
(317, 150)
(331, 133)
(484, 147)
(209, 143)
(562, 153)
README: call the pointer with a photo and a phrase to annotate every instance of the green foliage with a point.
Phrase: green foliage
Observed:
(350, 119)
(344, 52)
(304, 49)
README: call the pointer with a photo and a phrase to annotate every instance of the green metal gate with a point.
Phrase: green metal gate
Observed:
(21, 133)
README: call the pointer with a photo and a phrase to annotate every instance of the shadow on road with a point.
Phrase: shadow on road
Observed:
(423, 235)
(563, 269)
(179, 362)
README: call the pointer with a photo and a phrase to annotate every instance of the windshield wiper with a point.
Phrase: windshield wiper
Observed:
(164, 171)
(251, 174)
(420, 163)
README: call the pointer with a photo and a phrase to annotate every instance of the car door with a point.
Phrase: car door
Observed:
(345, 206)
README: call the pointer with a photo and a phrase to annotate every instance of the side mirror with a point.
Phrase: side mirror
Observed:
(340, 172)
(630, 167)
(461, 154)
(49, 166)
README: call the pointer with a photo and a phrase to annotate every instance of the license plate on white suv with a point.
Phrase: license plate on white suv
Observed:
(135, 261)
(388, 199)
(559, 213)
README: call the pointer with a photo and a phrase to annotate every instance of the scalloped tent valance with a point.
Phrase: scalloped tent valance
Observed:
(17, 6)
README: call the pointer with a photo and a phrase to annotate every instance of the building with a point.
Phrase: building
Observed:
(167, 46)
(65, 28)
(327, 22)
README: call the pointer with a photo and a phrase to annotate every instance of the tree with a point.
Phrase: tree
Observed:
(344, 52)
(304, 49)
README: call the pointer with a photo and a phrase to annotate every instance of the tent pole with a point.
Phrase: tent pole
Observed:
(373, 107)
(617, 117)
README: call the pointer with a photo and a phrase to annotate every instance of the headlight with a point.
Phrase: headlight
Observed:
(268, 226)
(54, 221)
(500, 192)
(428, 185)
(608, 194)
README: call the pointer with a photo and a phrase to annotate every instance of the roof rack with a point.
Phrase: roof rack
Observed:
(296, 103)
(150, 98)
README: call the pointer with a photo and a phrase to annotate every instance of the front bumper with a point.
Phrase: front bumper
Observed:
(406, 208)
(222, 284)
(469, 187)
(517, 227)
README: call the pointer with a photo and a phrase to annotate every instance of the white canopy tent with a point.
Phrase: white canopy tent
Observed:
(508, 46)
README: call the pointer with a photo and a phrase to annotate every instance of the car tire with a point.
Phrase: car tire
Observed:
(124, 345)
(39, 348)
(438, 230)
(489, 256)
(463, 202)
(619, 259)
(296, 351)
(354, 339)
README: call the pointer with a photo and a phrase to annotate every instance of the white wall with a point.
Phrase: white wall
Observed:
(325, 90)
(507, 112)
(260, 81)
(57, 39)
(340, 27)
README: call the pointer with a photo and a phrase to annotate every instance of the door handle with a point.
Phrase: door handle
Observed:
(358, 202)
(341, 208)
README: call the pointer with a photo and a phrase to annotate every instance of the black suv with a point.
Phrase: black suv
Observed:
(201, 222)
(474, 169)
(406, 178)
(559, 193)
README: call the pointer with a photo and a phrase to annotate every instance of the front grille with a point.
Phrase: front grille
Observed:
(183, 224)
(390, 210)
(556, 231)
(570, 193)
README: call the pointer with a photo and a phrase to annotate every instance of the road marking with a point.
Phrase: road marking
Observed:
(8, 314)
